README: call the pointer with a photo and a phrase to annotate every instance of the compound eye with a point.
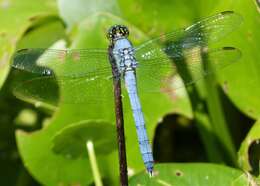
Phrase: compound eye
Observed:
(117, 31)
(114, 30)
(126, 31)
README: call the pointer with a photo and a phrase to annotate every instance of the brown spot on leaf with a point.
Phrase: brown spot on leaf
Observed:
(4, 60)
(163, 37)
(168, 86)
(33, 18)
(62, 55)
(76, 56)
(225, 86)
(3, 34)
(251, 111)
(137, 7)
(14, 40)
(178, 173)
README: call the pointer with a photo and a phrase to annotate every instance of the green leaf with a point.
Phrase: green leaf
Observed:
(35, 150)
(241, 81)
(49, 26)
(191, 175)
(74, 13)
(155, 17)
(71, 140)
(16, 16)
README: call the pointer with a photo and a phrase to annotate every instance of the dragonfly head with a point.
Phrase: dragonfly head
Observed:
(117, 31)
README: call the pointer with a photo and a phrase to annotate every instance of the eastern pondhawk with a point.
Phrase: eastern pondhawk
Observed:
(154, 64)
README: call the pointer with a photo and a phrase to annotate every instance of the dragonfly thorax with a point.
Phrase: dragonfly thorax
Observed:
(124, 55)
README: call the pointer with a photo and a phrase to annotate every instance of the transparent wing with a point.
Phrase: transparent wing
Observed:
(201, 33)
(164, 74)
(65, 63)
(50, 90)
(81, 76)
(182, 51)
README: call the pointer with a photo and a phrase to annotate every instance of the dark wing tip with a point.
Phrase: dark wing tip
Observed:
(25, 51)
(227, 12)
(235, 51)
(229, 48)
(238, 16)
(21, 51)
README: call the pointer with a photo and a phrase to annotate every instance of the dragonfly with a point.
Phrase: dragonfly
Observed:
(149, 67)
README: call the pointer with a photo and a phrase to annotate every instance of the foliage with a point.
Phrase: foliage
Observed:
(214, 115)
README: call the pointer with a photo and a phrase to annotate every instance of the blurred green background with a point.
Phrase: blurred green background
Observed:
(216, 125)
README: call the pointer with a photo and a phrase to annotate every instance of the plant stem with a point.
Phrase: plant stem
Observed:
(119, 120)
(217, 116)
(93, 163)
(198, 106)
